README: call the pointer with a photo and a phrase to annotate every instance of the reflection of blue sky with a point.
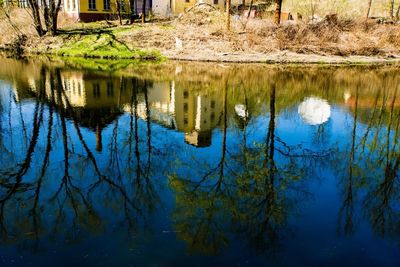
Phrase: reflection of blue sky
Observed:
(314, 241)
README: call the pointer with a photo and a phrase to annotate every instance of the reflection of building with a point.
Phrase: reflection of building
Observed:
(179, 108)
(97, 100)
(196, 116)
(370, 102)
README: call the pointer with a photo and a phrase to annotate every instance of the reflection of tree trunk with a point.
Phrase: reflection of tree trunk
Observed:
(389, 129)
(45, 163)
(99, 143)
(61, 111)
(224, 126)
(25, 135)
(135, 102)
(270, 146)
(148, 129)
(245, 125)
(348, 207)
(380, 199)
(131, 116)
(270, 141)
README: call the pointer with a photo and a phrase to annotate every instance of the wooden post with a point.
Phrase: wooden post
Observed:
(228, 15)
(369, 8)
(278, 10)
(144, 12)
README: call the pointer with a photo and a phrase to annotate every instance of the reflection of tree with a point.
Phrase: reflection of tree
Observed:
(383, 191)
(253, 200)
(264, 187)
(373, 163)
(201, 203)
(69, 198)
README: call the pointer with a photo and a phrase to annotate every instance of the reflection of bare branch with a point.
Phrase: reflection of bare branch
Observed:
(348, 203)
(38, 117)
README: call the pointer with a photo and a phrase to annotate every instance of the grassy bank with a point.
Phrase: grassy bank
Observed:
(199, 35)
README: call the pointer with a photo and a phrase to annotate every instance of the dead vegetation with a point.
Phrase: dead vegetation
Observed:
(200, 34)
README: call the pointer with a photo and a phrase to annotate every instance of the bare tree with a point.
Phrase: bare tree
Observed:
(51, 22)
(37, 22)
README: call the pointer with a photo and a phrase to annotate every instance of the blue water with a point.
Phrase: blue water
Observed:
(184, 164)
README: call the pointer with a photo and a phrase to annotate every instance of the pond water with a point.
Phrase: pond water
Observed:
(178, 164)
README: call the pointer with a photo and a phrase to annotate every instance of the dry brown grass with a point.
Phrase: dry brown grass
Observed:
(341, 37)
(202, 32)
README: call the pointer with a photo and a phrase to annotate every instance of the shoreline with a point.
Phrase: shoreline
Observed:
(277, 58)
(287, 57)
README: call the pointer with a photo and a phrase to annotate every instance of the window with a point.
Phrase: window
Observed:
(96, 90)
(79, 89)
(110, 89)
(106, 4)
(215, 2)
(187, 1)
(185, 94)
(92, 4)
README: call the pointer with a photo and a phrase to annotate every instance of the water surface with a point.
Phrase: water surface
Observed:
(198, 164)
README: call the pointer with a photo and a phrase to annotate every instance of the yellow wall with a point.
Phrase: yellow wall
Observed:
(84, 6)
(179, 6)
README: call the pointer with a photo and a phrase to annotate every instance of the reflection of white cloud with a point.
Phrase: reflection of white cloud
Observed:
(314, 111)
(241, 111)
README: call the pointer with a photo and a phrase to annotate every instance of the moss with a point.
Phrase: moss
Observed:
(102, 44)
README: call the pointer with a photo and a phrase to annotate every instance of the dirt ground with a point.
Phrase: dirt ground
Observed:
(200, 35)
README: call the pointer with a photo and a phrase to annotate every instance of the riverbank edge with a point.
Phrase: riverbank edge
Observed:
(281, 57)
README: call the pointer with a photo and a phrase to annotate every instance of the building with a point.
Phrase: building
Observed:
(92, 10)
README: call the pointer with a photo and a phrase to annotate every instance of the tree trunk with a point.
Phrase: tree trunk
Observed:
(37, 23)
(369, 8)
(46, 15)
(119, 11)
(54, 10)
(398, 14)
(278, 10)
(131, 11)
(228, 15)
(144, 12)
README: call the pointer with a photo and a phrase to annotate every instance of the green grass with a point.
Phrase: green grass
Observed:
(102, 44)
